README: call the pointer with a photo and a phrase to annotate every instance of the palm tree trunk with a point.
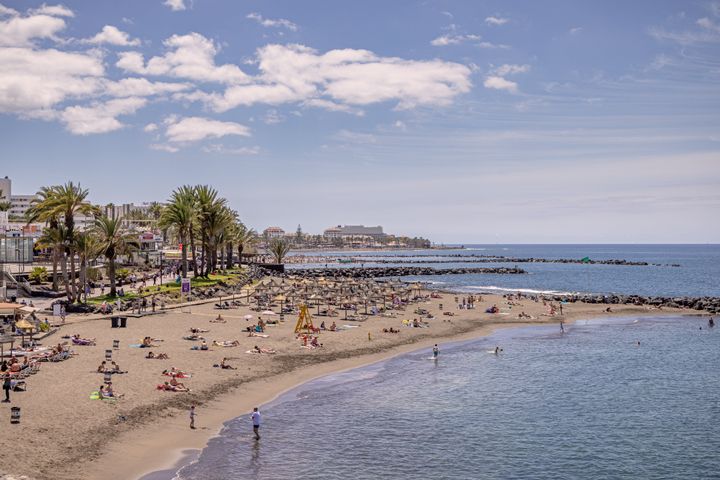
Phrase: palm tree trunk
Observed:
(111, 274)
(55, 269)
(63, 267)
(73, 280)
(193, 247)
(184, 260)
(229, 255)
(221, 253)
(240, 251)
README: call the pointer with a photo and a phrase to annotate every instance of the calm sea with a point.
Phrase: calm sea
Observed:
(697, 274)
(589, 403)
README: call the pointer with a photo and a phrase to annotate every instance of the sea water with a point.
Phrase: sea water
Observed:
(696, 275)
(588, 403)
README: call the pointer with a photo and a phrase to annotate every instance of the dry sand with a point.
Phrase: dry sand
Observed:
(65, 435)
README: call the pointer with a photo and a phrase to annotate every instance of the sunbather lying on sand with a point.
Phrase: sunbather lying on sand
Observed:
(198, 330)
(82, 341)
(159, 356)
(172, 388)
(257, 349)
(226, 343)
(174, 372)
(255, 334)
(193, 337)
(147, 342)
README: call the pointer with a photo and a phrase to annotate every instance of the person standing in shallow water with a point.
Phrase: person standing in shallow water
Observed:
(436, 351)
(255, 416)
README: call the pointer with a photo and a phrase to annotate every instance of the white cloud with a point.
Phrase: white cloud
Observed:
(223, 150)
(100, 117)
(150, 127)
(400, 125)
(142, 87)
(162, 147)
(575, 30)
(17, 31)
(332, 106)
(113, 36)
(175, 5)
(295, 73)
(194, 129)
(499, 83)
(494, 20)
(509, 69)
(272, 23)
(191, 56)
(7, 11)
(446, 40)
(52, 10)
(492, 45)
(708, 24)
(37, 80)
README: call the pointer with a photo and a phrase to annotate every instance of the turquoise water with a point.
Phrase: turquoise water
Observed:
(589, 403)
(696, 276)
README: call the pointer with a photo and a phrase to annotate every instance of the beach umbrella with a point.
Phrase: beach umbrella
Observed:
(268, 312)
(248, 317)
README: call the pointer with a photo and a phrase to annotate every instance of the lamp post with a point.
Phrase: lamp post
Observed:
(161, 266)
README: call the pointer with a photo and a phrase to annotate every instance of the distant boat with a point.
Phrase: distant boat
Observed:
(346, 260)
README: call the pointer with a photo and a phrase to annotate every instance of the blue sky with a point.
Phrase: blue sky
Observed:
(462, 121)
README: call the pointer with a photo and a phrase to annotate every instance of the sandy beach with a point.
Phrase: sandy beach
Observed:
(63, 434)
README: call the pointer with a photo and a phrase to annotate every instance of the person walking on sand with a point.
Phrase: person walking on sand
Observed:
(255, 416)
(192, 417)
(562, 327)
(7, 384)
(436, 351)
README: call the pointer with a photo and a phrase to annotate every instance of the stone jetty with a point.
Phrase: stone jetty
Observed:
(396, 271)
(708, 304)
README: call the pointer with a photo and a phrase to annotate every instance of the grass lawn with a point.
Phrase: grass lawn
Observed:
(171, 288)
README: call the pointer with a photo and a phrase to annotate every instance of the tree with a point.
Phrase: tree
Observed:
(279, 247)
(245, 238)
(5, 205)
(113, 240)
(88, 248)
(178, 215)
(58, 205)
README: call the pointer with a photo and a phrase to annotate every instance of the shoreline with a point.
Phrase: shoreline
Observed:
(175, 448)
(147, 430)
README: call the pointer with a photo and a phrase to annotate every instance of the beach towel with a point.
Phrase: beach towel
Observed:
(261, 335)
(136, 345)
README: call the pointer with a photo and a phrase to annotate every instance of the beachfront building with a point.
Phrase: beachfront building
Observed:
(354, 231)
(19, 204)
(273, 232)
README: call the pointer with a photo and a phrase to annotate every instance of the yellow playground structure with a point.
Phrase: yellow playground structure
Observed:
(304, 321)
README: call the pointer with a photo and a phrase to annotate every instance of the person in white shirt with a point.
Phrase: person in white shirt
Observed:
(256, 422)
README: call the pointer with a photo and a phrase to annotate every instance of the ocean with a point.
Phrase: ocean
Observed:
(696, 275)
(587, 403)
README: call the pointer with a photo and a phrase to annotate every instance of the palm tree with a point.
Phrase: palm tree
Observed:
(88, 248)
(5, 205)
(279, 247)
(245, 238)
(53, 238)
(42, 210)
(62, 203)
(179, 216)
(113, 240)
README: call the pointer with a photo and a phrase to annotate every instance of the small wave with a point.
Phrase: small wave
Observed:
(492, 288)
(475, 249)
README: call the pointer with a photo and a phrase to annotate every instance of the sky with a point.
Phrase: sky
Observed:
(462, 121)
